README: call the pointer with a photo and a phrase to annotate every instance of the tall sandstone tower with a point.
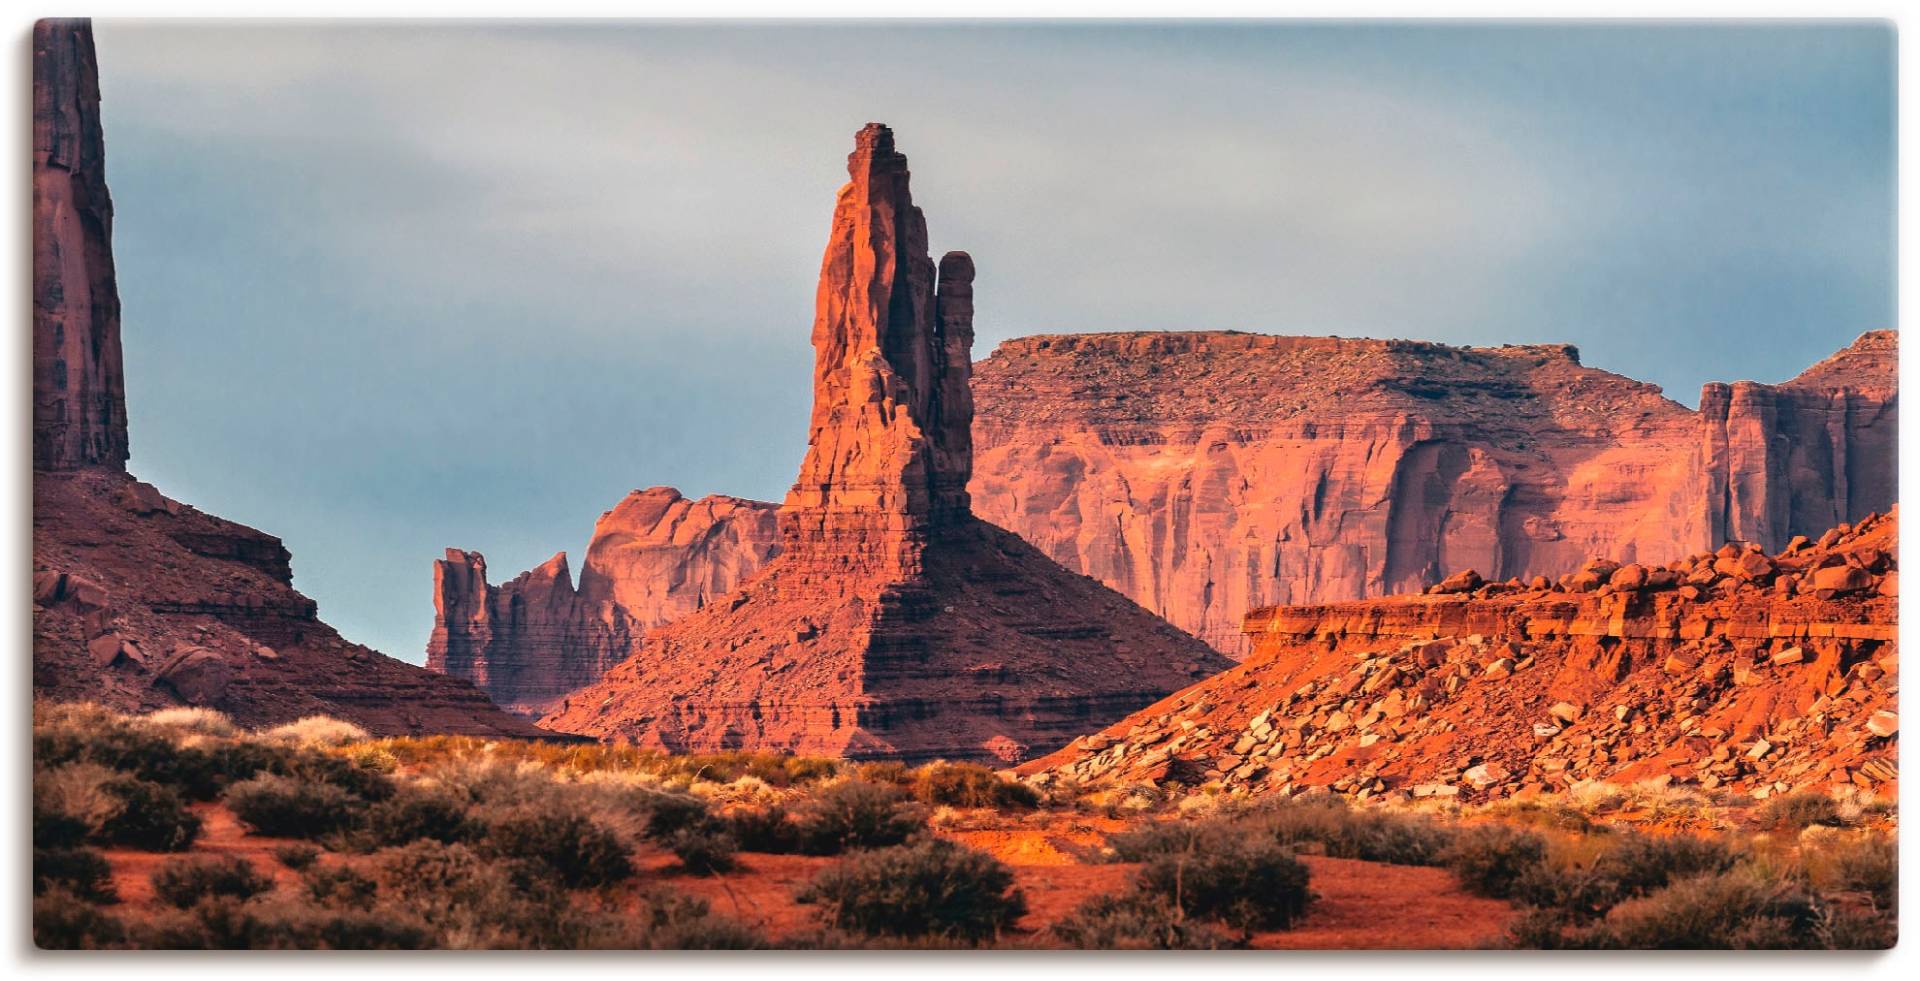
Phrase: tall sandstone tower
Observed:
(892, 623)
(79, 392)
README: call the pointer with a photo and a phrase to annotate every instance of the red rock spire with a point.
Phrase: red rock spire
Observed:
(889, 453)
(79, 393)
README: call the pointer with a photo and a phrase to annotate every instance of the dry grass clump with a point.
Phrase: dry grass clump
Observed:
(930, 888)
(193, 721)
(317, 731)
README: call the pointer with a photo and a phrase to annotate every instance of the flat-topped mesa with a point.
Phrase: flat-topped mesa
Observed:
(79, 390)
(888, 449)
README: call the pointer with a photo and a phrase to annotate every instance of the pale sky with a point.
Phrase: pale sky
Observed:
(394, 288)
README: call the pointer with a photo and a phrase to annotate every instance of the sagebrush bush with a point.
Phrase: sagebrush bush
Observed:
(769, 829)
(64, 921)
(186, 720)
(152, 817)
(970, 785)
(856, 814)
(1798, 811)
(663, 920)
(1492, 859)
(416, 813)
(1328, 825)
(186, 880)
(81, 872)
(317, 730)
(930, 888)
(579, 851)
(296, 855)
(704, 851)
(282, 923)
(1247, 883)
(339, 885)
(1137, 921)
(118, 744)
(1626, 864)
(290, 807)
(1730, 911)
(71, 803)
(477, 901)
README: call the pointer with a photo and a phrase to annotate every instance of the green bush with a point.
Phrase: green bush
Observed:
(1247, 883)
(153, 817)
(704, 851)
(133, 749)
(1492, 859)
(290, 807)
(856, 814)
(296, 855)
(970, 785)
(931, 888)
(57, 828)
(1630, 864)
(1730, 911)
(669, 814)
(477, 901)
(185, 881)
(1328, 825)
(413, 814)
(1136, 921)
(1798, 811)
(81, 872)
(1153, 840)
(577, 849)
(63, 921)
(769, 830)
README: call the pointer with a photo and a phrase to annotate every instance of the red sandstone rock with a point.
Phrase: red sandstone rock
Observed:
(1206, 474)
(1744, 690)
(891, 623)
(79, 393)
(124, 577)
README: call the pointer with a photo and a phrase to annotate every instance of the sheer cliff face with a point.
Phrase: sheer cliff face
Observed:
(142, 602)
(79, 392)
(892, 623)
(1206, 474)
(655, 557)
(1781, 460)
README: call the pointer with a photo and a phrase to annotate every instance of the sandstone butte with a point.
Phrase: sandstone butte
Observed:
(1206, 474)
(892, 623)
(141, 602)
(1727, 669)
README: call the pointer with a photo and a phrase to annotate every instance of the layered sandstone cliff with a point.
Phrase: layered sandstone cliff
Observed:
(653, 558)
(1207, 474)
(141, 602)
(1729, 669)
(891, 623)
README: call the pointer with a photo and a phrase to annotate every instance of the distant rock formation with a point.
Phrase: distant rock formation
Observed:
(655, 557)
(892, 623)
(1733, 669)
(79, 391)
(141, 602)
(1206, 474)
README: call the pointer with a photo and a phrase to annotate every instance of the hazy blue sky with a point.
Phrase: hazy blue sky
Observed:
(393, 288)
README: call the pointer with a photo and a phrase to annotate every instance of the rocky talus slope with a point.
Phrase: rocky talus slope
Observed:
(1207, 474)
(653, 558)
(1728, 669)
(891, 623)
(141, 602)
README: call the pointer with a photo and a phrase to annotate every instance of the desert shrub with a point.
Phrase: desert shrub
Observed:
(931, 888)
(1798, 811)
(1327, 825)
(339, 885)
(1151, 841)
(1868, 865)
(321, 767)
(1491, 859)
(71, 803)
(1853, 929)
(81, 872)
(664, 920)
(578, 850)
(316, 730)
(769, 830)
(856, 814)
(185, 881)
(1627, 864)
(1733, 910)
(152, 817)
(290, 807)
(1137, 921)
(478, 901)
(970, 785)
(64, 921)
(1248, 883)
(56, 828)
(704, 851)
(668, 814)
(296, 855)
(186, 720)
(282, 924)
(417, 813)
(118, 744)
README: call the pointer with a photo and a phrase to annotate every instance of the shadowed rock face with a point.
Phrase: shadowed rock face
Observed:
(1206, 474)
(142, 602)
(892, 623)
(79, 392)
(1728, 669)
